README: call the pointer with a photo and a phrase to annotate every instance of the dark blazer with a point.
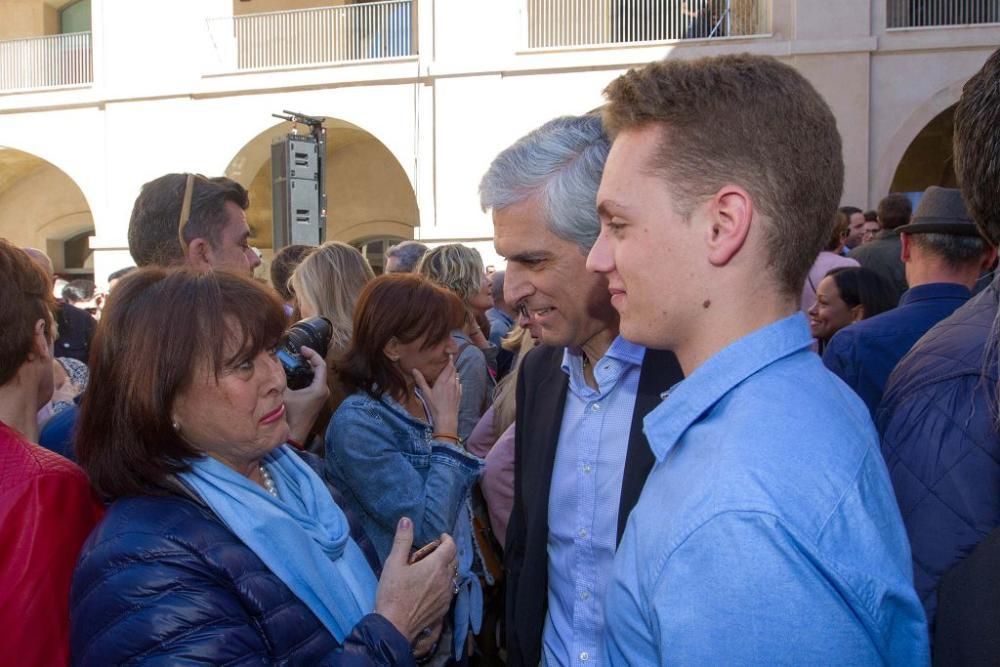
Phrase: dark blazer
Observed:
(541, 397)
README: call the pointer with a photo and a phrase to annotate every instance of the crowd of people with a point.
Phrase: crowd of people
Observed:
(703, 416)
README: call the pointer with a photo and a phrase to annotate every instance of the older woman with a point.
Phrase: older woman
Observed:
(459, 268)
(393, 443)
(222, 545)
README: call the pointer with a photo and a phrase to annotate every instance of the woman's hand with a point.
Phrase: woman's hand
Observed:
(443, 398)
(475, 332)
(303, 405)
(415, 597)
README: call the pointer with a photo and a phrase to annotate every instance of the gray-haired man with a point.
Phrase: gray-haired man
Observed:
(404, 257)
(580, 455)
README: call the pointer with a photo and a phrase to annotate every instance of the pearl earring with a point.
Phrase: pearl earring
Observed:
(177, 427)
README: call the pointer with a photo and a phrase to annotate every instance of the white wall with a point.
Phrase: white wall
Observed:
(156, 106)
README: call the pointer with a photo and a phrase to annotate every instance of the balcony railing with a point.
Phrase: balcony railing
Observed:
(46, 62)
(326, 35)
(575, 23)
(927, 13)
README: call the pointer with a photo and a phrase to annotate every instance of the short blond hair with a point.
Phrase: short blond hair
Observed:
(455, 266)
(329, 281)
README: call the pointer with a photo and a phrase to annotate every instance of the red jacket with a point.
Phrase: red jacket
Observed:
(46, 512)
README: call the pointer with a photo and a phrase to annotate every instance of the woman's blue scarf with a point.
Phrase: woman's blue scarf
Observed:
(303, 537)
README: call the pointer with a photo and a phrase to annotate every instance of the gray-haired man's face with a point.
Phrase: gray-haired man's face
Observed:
(547, 278)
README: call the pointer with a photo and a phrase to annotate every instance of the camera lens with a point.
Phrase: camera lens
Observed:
(313, 332)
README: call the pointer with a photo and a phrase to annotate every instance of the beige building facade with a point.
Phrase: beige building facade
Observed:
(98, 97)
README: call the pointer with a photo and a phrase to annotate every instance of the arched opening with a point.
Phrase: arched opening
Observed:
(42, 207)
(928, 159)
(374, 250)
(368, 193)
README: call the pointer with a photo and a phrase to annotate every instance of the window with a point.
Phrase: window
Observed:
(75, 17)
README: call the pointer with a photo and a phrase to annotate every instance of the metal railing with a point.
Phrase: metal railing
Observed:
(46, 62)
(567, 23)
(326, 35)
(927, 13)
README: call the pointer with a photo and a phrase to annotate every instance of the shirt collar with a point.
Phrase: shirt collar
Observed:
(619, 350)
(692, 397)
(935, 291)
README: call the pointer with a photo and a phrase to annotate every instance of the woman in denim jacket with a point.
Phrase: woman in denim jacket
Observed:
(459, 269)
(392, 446)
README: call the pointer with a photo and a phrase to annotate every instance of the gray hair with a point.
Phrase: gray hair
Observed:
(408, 253)
(954, 250)
(562, 161)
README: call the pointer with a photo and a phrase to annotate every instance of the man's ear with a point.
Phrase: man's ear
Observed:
(199, 254)
(391, 349)
(989, 257)
(730, 212)
(905, 247)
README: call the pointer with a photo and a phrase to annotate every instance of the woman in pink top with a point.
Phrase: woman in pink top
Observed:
(830, 258)
(497, 482)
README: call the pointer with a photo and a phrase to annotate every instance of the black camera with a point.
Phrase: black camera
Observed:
(313, 332)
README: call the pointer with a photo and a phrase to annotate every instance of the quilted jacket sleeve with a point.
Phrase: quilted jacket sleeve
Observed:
(161, 598)
(148, 598)
(938, 442)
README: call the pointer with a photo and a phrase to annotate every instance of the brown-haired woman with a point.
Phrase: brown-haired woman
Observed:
(393, 444)
(222, 544)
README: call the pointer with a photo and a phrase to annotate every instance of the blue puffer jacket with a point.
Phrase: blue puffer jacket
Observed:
(163, 581)
(936, 421)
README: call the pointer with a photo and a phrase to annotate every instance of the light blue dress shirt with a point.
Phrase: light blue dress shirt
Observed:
(767, 532)
(583, 501)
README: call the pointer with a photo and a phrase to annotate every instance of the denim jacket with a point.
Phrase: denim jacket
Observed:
(388, 466)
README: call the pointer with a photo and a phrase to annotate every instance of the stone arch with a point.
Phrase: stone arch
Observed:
(908, 131)
(928, 160)
(368, 192)
(41, 206)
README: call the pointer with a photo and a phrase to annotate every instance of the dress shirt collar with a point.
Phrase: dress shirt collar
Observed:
(621, 350)
(935, 291)
(692, 397)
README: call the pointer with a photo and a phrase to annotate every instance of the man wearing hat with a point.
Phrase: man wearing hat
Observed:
(943, 255)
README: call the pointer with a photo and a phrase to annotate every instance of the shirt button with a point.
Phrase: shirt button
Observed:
(584, 595)
(596, 407)
(584, 656)
(587, 468)
(583, 532)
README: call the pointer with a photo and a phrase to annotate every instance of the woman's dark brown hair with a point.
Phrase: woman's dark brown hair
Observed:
(401, 305)
(160, 328)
